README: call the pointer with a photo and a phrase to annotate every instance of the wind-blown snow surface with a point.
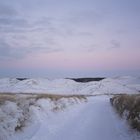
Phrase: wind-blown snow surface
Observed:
(65, 86)
(66, 119)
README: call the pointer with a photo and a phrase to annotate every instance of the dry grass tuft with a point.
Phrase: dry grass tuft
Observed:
(128, 106)
(27, 96)
(55, 97)
(7, 97)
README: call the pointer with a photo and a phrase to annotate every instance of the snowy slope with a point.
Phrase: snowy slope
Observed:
(125, 84)
(64, 119)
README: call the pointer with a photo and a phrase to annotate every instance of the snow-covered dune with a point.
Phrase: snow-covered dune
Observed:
(45, 116)
(90, 120)
(125, 84)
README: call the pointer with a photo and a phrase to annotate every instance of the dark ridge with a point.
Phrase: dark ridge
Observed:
(21, 79)
(84, 80)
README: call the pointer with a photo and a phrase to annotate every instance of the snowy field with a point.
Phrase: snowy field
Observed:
(62, 109)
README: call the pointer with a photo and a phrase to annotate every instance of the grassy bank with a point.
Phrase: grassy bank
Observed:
(128, 107)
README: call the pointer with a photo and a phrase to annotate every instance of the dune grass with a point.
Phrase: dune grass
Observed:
(53, 97)
(24, 102)
(7, 97)
(128, 107)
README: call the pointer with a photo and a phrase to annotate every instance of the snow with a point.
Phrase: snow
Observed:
(10, 114)
(65, 118)
(124, 84)
(92, 120)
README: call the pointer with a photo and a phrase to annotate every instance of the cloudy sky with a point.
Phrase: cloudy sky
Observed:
(69, 38)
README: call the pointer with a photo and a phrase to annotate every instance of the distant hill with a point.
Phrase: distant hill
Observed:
(84, 80)
(21, 79)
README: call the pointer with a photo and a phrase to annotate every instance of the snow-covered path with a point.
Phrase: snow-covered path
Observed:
(94, 120)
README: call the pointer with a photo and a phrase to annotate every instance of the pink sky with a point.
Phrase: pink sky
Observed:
(72, 37)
